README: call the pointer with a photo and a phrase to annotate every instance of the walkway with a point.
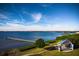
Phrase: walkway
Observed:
(20, 39)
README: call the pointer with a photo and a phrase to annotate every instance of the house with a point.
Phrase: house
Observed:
(65, 46)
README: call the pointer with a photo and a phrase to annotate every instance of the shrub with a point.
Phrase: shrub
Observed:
(40, 43)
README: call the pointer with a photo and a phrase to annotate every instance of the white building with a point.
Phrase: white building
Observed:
(65, 46)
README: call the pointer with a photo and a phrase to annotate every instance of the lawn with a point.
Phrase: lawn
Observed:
(43, 52)
(74, 38)
(56, 53)
(32, 51)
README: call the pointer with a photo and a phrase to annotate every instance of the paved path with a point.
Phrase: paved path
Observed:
(20, 39)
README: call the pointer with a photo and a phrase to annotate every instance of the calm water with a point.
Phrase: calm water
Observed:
(7, 43)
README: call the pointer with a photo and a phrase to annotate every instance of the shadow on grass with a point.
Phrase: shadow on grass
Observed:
(76, 47)
(50, 48)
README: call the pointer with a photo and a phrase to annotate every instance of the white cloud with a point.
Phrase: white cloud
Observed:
(37, 17)
(21, 27)
(65, 27)
(16, 25)
(3, 16)
(14, 21)
(12, 27)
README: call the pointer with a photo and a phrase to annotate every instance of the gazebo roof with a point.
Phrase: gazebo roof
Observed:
(63, 41)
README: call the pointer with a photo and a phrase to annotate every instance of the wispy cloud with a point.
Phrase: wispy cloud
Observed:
(37, 17)
(47, 27)
(12, 27)
(2, 16)
(16, 25)
(65, 27)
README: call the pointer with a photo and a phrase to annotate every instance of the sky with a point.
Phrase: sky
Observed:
(39, 17)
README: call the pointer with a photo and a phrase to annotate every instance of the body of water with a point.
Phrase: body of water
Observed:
(6, 43)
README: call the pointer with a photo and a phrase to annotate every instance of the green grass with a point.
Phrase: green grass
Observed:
(32, 51)
(36, 51)
(57, 53)
(26, 48)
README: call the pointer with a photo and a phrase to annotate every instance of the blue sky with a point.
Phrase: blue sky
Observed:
(39, 17)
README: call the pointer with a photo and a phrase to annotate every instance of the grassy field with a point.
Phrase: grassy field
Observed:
(32, 51)
(56, 53)
(48, 50)
(43, 52)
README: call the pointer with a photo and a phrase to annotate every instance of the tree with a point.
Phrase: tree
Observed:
(40, 43)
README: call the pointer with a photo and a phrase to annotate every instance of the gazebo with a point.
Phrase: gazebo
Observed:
(65, 45)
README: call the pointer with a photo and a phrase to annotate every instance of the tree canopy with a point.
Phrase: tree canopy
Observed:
(40, 43)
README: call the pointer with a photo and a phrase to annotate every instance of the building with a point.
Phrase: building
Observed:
(65, 46)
